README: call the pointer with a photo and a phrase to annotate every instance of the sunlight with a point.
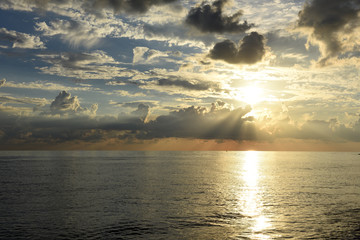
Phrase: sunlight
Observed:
(250, 95)
(261, 223)
(252, 195)
(250, 169)
(250, 177)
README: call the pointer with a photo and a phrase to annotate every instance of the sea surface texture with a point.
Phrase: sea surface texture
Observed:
(179, 195)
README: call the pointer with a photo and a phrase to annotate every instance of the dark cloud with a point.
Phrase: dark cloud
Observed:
(191, 122)
(210, 19)
(198, 122)
(219, 122)
(2, 82)
(250, 50)
(93, 6)
(178, 82)
(142, 112)
(329, 21)
(136, 6)
(136, 104)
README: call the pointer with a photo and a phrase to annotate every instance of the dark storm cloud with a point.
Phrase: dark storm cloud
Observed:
(210, 19)
(250, 50)
(186, 84)
(137, 6)
(329, 21)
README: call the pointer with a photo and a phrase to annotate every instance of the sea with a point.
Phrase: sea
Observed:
(179, 195)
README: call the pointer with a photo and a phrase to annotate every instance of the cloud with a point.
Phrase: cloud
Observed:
(22, 100)
(143, 55)
(332, 24)
(94, 6)
(49, 86)
(2, 82)
(30, 5)
(21, 40)
(191, 122)
(218, 122)
(331, 130)
(65, 104)
(210, 19)
(128, 6)
(135, 104)
(126, 93)
(189, 85)
(250, 50)
(199, 122)
(75, 32)
(142, 112)
(83, 65)
(175, 33)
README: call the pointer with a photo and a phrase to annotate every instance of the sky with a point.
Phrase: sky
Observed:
(180, 75)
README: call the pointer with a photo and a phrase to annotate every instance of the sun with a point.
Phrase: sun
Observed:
(251, 95)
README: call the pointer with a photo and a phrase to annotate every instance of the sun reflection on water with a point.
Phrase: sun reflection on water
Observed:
(251, 196)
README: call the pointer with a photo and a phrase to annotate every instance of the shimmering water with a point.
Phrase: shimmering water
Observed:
(179, 195)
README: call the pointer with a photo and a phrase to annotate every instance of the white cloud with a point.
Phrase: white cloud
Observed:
(91, 65)
(144, 55)
(22, 100)
(48, 86)
(128, 94)
(76, 32)
(20, 40)
(65, 104)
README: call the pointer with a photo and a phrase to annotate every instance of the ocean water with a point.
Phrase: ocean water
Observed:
(179, 195)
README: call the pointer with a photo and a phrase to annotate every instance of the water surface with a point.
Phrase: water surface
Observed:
(179, 195)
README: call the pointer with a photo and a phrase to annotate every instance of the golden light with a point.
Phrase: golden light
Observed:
(252, 204)
(250, 167)
(251, 95)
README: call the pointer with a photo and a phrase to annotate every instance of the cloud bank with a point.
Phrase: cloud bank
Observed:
(66, 122)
